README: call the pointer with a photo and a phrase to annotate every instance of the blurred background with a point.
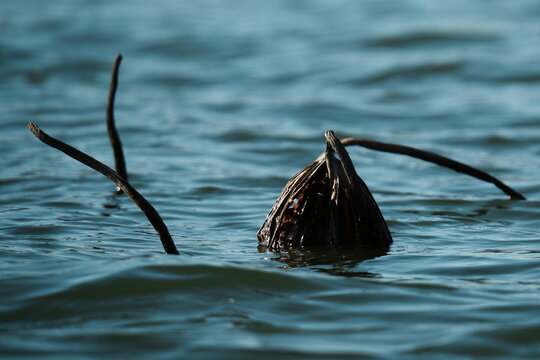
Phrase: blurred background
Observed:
(219, 104)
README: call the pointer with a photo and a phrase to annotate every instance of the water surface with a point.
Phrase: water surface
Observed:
(219, 104)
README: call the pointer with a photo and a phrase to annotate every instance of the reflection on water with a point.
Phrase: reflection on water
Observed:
(342, 261)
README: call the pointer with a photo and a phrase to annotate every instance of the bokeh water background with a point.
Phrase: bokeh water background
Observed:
(219, 104)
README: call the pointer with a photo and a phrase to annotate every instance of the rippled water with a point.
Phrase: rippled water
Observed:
(219, 104)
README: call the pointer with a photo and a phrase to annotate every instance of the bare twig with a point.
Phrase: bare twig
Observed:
(436, 159)
(113, 134)
(134, 195)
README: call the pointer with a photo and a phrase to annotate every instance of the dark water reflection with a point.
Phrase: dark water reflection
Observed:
(342, 261)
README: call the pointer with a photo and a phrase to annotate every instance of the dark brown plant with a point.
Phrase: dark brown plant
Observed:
(326, 203)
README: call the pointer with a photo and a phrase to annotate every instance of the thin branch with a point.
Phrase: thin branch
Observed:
(436, 159)
(111, 128)
(138, 199)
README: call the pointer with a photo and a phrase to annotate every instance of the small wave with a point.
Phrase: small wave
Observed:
(211, 190)
(240, 135)
(422, 38)
(177, 81)
(166, 281)
(530, 78)
(416, 71)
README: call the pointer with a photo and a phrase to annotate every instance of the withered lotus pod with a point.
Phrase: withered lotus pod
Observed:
(326, 203)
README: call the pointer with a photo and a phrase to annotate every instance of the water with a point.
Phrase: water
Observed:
(219, 104)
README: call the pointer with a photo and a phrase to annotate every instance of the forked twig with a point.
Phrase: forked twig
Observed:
(113, 134)
(134, 195)
(436, 159)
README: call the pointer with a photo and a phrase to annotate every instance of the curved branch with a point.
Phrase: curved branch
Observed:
(134, 195)
(113, 134)
(436, 159)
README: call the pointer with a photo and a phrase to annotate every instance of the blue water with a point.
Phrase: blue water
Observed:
(219, 104)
